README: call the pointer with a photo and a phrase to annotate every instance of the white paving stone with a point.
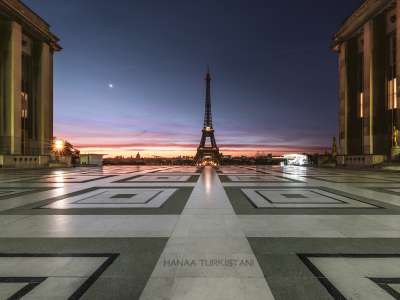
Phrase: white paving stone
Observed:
(350, 226)
(257, 178)
(208, 255)
(58, 226)
(162, 178)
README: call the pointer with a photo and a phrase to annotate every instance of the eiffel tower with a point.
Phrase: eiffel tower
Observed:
(208, 152)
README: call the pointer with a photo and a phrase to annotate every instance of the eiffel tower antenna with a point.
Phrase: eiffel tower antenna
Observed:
(207, 111)
(207, 152)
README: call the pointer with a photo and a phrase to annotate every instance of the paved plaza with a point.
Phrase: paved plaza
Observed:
(169, 232)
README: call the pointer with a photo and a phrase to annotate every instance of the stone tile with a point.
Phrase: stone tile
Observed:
(201, 222)
(57, 226)
(220, 289)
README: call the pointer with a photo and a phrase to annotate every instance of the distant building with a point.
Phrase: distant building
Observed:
(91, 159)
(368, 46)
(26, 86)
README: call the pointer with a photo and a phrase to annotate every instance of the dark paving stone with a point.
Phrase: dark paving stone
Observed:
(22, 192)
(225, 178)
(290, 278)
(173, 206)
(124, 278)
(193, 178)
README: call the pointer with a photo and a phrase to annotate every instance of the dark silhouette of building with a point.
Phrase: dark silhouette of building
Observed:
(207, 152)
(368, 46)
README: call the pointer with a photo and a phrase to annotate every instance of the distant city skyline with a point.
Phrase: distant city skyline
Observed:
(130, 77)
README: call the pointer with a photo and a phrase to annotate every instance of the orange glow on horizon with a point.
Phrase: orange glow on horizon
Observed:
(175, 151)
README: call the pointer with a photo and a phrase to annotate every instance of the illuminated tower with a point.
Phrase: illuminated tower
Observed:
(207, 152)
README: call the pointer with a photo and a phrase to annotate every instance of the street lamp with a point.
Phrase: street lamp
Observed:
(59, 145)
(58, 148)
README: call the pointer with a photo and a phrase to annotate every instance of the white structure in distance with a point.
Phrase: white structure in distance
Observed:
(295, 160)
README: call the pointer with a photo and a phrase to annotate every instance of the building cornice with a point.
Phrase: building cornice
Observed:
(355, 22)
(18, 11)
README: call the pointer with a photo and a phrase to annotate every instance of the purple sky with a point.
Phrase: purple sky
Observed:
(274, 77)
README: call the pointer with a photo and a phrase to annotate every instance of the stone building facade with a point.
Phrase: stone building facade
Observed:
(26, 86)
(368, 46)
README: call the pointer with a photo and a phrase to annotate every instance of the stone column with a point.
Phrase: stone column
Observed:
(395, 150)
(16, 78)
(45, 92)
(397, 111)
(51, 99)
(4, 41)
(368, 142)
(343, 112)
(12, 89)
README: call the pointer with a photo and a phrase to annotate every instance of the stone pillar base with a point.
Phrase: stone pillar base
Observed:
(360, 160)
(24, 161)
(395, 153)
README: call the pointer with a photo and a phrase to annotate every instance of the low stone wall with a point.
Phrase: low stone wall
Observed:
(24, 161)
(360, 160)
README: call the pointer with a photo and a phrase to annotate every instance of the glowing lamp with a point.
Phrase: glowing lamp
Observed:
(59, 145)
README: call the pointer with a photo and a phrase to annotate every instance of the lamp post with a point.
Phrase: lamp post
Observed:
(58, 148)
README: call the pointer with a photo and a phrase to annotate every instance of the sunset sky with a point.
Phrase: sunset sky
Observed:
(131, 75)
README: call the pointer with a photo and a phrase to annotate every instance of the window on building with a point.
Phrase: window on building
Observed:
(3, 118)
(361, 105)
(391, 72)
(360, 78)
(392, 94)
(27, 105)
(24, 106)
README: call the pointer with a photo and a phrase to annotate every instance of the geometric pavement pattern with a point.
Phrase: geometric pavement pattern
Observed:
(371, 276)
(162, 232)
(47, 276)
(115, 198)
(300, 198)
(256, 178)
